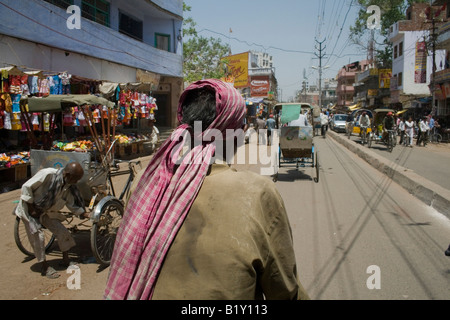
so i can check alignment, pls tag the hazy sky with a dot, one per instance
(286, 30)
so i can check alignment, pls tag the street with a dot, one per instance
(357, 235)
(356, 218)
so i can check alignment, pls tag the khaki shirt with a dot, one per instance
(235, 244)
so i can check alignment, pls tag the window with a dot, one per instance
(162, 41)
(131, 26)
(395, 52)
(96, 10)
(64, 4)
(400, 79)
(400, 49)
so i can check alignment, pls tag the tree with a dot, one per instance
(391, 12)
(202, 56)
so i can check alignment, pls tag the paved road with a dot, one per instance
(356, 217)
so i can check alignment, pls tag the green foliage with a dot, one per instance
(202, 56)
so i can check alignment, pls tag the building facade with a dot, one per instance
(412, 65)
(346, 79)
(442, 78)
(135, 41)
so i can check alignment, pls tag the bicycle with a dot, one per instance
(391, 140)
(364, 138)
(106, 212)
(435, 137)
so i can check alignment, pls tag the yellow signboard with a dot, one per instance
(385, 76)
(238, 69)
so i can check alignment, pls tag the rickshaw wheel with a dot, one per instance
(104, 231)
(22, 241)
(316, 179)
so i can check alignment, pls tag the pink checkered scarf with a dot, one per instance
(162, 199)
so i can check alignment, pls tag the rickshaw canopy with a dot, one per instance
(56, 103)
(291, 111)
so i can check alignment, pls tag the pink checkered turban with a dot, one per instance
(163, 197)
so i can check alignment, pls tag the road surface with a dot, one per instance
(357, 235)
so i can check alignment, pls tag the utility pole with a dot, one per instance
(320, 56)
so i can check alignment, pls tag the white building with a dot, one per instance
(412, 65)
(261, 60)
(119, 41)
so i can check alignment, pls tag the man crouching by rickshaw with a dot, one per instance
(43, 196)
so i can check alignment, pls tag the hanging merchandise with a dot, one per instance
(44, 88)
(33, 84)
(14, 84)
(16, 124)
(15, 98)
(4, 81)
(65, 82)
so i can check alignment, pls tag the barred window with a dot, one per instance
(63, 4)
(96, 10)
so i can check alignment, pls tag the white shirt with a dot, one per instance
(300, 122)
(36, 187)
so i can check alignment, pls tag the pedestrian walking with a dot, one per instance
(271, 126)
(409, 130)
(260, 129)
(191, 230)
(401, 128)
(423, 132)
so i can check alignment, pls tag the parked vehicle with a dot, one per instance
(338, 122)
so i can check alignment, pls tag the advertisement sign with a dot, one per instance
(238, 69)
(260, 86)
(420, 73)
(384, 77)
(445, 88)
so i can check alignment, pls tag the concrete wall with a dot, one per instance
(43, 23)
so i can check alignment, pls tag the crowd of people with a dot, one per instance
(421, 129)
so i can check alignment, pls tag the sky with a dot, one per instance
(285, 29)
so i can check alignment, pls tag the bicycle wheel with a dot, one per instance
(104, 232)
(316, 179)
(436, 138)
(390, 144)
(22, 241)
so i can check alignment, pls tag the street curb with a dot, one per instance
(425, 190)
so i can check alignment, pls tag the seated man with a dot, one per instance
(302, 121)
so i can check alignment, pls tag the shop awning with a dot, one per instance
(355, 107)
(58, 102)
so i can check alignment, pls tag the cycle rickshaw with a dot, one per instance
(357, 126)
(376, 136)
(96, 186)
(296, 146)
